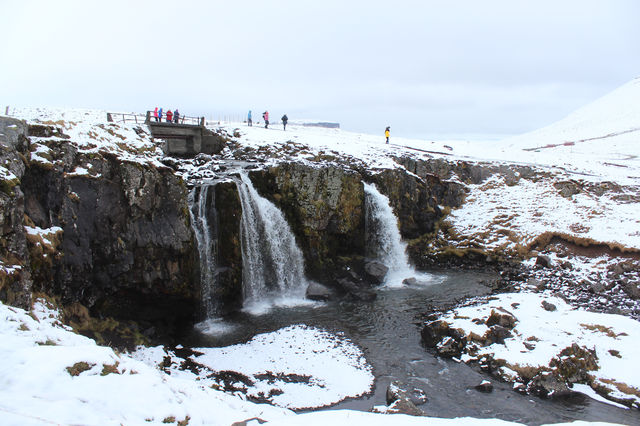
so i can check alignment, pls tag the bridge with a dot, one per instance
(185, 138)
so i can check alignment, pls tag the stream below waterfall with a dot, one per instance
(388, 332)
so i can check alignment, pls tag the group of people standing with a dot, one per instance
(285, 119)
(171, 117)
(265, 117)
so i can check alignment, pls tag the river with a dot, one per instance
(388, 332)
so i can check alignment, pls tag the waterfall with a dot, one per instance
(383, 239)
(205, 226)
(272, 263)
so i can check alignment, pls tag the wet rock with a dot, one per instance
(317, 291)
(433, 332)
(450, 347)
(547, 384)
(375, 271)
(485, 386)
(410, 281)
(399, 401)
(548, 306)
(356, 291)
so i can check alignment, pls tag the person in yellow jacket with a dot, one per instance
(386, 133)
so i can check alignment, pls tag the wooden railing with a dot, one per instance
(148, 117)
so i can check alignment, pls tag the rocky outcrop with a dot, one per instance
(111, 235)
(15, 276)
(324, 207)
(229, 268)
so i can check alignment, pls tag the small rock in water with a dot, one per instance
(399, 402)
(485, 386)
(375, 271)
(410, 281)
(317, 291)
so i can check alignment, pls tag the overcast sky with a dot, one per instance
(425, 68)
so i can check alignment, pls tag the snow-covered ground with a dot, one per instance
(544, 327)
(295, 367)
(50, 375)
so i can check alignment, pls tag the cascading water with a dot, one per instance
(205, 227)
(272, 263)
(383, 239)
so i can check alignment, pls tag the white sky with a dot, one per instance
(425, 68)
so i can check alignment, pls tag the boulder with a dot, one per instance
(485, 386)
(375, 271)
(356, 291)
(497, 334)
(546, 384)
(317, 291)
(543, 261)
(449, 347)
(548, 306)
(502, 318)
(399, 401)
(410, 281)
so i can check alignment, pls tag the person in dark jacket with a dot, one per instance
(176, 116)
(284, 121)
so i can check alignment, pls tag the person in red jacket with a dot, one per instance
(169, 116)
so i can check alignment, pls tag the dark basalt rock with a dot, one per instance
(375, 271)
(15, 276)
(356, 291)
(400, 402)
(126, 249)
(317, 291)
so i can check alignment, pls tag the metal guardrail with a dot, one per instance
(148, 117)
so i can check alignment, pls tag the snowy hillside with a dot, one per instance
(605, 119)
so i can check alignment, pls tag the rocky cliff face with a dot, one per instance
(114, 235)
(15, 276)
(109, 234)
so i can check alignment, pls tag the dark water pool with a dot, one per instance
(388, 331)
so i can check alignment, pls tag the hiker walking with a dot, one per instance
(284, 121)
(249, 120)
(176, 116)
(265, 117)
(386, 133)
(169, 117)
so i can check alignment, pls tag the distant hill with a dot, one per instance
(613, 115)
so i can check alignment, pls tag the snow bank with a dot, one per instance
(540, 335)
(294, 367)
(50, 375)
